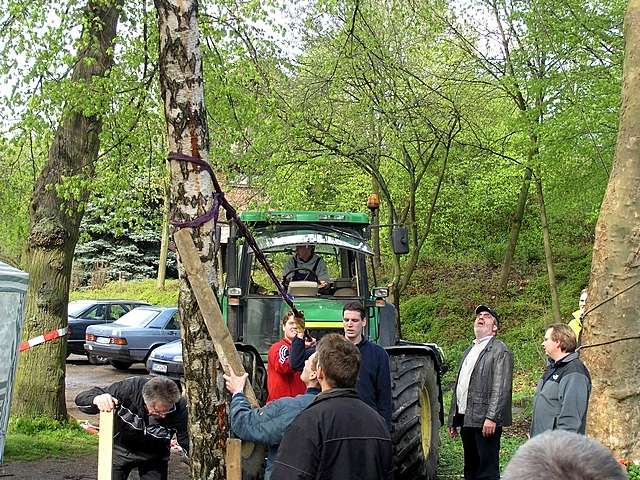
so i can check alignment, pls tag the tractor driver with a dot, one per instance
(306, 265)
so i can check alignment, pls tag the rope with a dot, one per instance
(219, 200)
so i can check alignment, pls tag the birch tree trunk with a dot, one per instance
(182, 89)
(54, 225)
(614, 409)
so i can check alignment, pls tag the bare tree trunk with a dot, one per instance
(164, 241)
(182, 91)
(548, 254)
(375, 232)
(514, 232)
(614, 409)
(54, 226)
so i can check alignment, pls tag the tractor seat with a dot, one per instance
(303, 288)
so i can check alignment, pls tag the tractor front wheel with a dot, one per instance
(416, 417)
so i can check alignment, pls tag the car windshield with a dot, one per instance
(138, 317)
(75, 308)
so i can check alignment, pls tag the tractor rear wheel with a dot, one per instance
(416, 417)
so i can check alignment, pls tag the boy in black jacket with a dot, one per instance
(148, 413)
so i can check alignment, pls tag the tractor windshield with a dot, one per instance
(341, 280)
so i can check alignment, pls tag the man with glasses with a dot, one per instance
(148, 413)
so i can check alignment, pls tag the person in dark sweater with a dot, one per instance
(338, 436)
(374, 378)
(148, 413)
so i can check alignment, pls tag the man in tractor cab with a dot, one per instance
(306, 265)
(282, 379)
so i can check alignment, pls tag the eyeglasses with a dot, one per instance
(154, 412)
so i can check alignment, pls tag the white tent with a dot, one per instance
(13, 289)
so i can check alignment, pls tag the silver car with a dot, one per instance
(131, 338)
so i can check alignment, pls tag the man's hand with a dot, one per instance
(322, 284)
(105, 402)
(234, 383)
(489, 428)
(310, 343)
(453, 432)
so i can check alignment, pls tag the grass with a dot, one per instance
(32, 439)
(144, 290)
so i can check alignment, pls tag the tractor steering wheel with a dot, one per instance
(313, 278)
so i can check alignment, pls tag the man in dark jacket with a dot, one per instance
(148, 413)
(562, 396)
(481, 402)
(338, 436)
(268, 424)
(374, 378)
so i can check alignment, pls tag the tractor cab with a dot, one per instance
(255, 307)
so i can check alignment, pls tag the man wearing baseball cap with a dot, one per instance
(481, 402)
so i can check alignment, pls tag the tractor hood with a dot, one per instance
(279, 240)
(320, 313)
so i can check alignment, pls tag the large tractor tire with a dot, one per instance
(416, 417)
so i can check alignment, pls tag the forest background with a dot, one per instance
(487, 127)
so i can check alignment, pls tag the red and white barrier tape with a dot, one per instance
(47, 337)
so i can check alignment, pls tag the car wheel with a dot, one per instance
(120, 365)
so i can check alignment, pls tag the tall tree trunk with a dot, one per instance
(514, 231)
(614, 409)
(182, 91)
(375, 232)
(164, 241)
(54, 226)
(548, 253)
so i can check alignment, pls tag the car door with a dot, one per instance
(172, 328)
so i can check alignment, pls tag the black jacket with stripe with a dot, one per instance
(134, 429)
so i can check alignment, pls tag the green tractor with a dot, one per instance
(253, 309)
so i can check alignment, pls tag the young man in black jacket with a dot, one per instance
(148, 413)
(338, 436)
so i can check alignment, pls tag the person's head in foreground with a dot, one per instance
(338, 362)
(562, 455)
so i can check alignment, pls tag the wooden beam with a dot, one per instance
(252, 454)
(210, 309)
(233, 459)
(105, 445)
